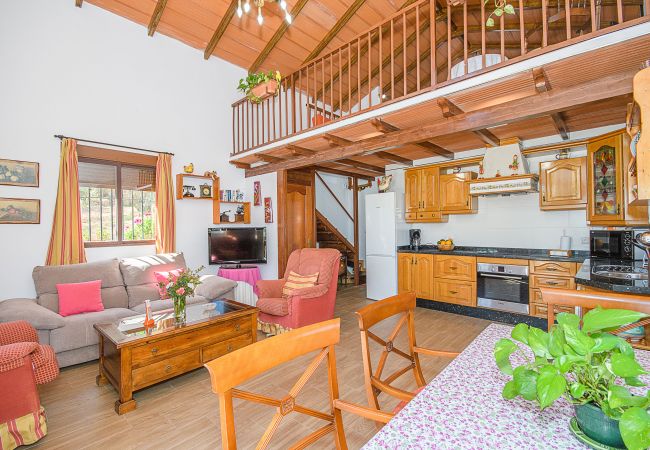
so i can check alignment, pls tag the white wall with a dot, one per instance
(87, 73)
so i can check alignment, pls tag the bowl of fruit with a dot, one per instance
(446, 245)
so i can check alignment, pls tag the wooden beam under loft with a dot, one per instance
(156, 16)
(433, 149)
(78, 3)
(300, 151)
(344, 173)
(221, 29)
(449, 109)
(543, 85)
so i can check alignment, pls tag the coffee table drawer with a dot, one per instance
(155, 351)
(166, 368)
(213, 351)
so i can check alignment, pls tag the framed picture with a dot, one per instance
(268, 210)
(20, 210)
(18, 173)
(257, 193)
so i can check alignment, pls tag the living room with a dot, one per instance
(134, 97)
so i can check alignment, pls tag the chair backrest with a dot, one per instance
(590, 300)
(306, 261)
(237, 367)
(403, 306)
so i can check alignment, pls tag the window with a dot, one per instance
(117, 201)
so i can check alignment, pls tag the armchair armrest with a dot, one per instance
(28, 310)
(310, 292)
(18, 331)
(270, 288)
(214, 286)
(13, 355)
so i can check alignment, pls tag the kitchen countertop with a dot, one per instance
(498, 252)
(585, 277)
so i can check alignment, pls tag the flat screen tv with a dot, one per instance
(237, 245)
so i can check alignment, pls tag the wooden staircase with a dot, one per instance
(328, 236)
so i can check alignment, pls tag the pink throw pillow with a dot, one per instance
(76, 298)
(163, 277)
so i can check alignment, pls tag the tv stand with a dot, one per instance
(238, 266)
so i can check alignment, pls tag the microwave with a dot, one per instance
(612, 244)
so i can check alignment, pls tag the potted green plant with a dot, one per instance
(258, 86)
(589, 366)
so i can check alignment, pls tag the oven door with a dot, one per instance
(606, 244)
(503, 292)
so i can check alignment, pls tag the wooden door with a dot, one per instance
(636, 210)
(454, 193)
(412, 185)
(563, 184)
(429, 191)
(605, 181)
(423, 276)
(405, 272)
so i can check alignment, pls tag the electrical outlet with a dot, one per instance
(585, 240)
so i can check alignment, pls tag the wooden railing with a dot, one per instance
(396, 59)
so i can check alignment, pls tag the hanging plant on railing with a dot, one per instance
(500, 7)
(258, 86)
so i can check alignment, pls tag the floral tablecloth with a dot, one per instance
(462, 408)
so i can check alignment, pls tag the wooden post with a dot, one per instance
(355, 203)
(282, 222)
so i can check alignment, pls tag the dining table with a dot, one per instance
(462, 408)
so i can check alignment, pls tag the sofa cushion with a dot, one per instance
(274, 306)
(47, 277)
(214, 286)
(159, 305)
(139, 275)
(78, 330)
(76, 298)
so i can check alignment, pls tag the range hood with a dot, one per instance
(504, 170)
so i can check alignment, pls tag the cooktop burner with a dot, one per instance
(619, 271)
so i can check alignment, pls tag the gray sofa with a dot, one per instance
(126, 284)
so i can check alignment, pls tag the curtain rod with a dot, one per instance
(60, 136)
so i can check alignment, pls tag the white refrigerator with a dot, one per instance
(385, 230)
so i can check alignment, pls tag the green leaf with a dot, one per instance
(578, 341)
(509, 9)
(510, 390)
(520, 333)
(577, 390)
(526, 382)
(556, 342)
(603, 319)
(634, 381)
(619, 396)
(489, 22)
(625, 366)
(635, 428)
(502, 351)
(538, 342)
(550, 386)
(565, 362)
(498, 12)
(605, 342)
(568, 320)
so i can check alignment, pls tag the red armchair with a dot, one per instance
(307, 306)
(24, 363)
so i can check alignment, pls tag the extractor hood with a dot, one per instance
(504, 170)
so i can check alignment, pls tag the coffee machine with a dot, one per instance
(414, 238)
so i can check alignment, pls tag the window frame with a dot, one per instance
(108, 157)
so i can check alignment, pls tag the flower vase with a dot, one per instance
(179, 310)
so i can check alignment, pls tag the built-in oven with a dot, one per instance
(612, 244)
(503, 287)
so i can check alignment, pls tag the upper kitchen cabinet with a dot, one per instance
(612, 183)
(563, 184)
(423, 195)
(454, 194)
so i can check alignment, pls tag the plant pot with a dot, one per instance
(598, 426)
(265, 90)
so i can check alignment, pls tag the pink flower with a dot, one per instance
(180, 291)
(137, 221)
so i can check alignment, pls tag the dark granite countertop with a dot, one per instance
(586, 277)
(498, 252)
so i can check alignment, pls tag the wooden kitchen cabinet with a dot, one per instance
(553, 275)
(422, 195)
(405, 272)
(454, 194)
(563, 184)
(415, 273)
(455, 279)
(455, 267)
(611, 185)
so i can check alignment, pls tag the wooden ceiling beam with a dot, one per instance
(78, 3)
(542, 85)
(331, 34)
(268, 158)
(335, 141)
(393, 158)
(434, 149)
(360, 165)
(512, 111)
(487, 137)
(156, 16)
(450, 109)
(300, 151)
(560, 125)
(344, 173)
(240, 165)
(221, 29)
(279, 33)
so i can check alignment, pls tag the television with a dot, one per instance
(237, 245)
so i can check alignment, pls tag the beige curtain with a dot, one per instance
(165, 207)
(66, 240)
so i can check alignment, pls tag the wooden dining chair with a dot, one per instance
(402, 306)
(587, 300)
(237, 367)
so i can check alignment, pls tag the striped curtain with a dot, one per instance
(66, 240)
(165, 212)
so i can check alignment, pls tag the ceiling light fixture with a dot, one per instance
(260, 4)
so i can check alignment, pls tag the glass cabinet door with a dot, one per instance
(605, 193)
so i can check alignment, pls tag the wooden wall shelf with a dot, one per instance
(241, 219)
(180, 182)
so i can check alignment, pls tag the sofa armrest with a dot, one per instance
(270, 288)
(213, 286)
(310, 292)
(28, 310)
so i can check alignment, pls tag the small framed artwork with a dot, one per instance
(268, 210)
(257, 193)
(18, 173)
(20, 210)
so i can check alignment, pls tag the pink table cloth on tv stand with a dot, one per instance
(250, 275)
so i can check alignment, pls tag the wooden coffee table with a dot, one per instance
(132, 357)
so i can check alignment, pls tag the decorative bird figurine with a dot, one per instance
(211, 173)
(189, 168)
